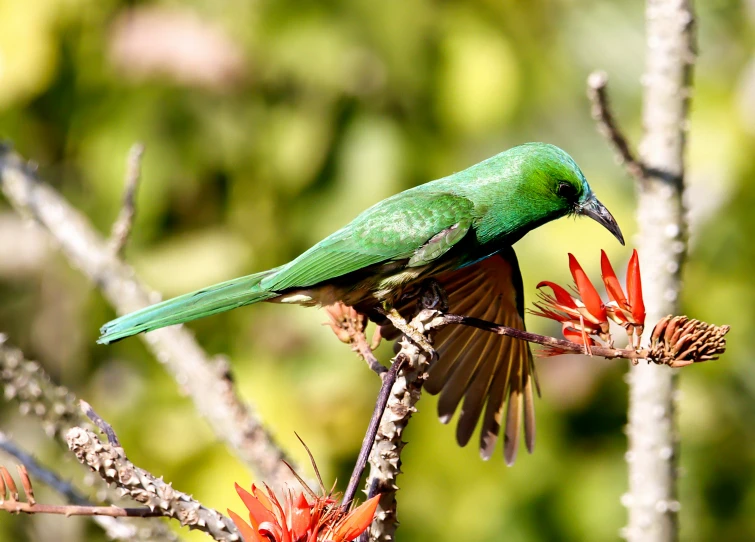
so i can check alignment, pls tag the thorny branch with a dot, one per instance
(123, 224)
(115, 529)
(110, 462)
(56, 408)
(385, 457)
(26, 382)
(207, 381)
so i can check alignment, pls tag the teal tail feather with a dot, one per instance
(211, 300)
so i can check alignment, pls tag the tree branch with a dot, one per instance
(389, 379)
(114, 529)
(29, 384)
(123, 224)
(653, 441)
(206, 381)
(385, 457)
(111, 463)
(653, 447)
(597, 91)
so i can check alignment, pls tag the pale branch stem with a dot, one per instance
(122, 226)
(205, 380)
(389, 378)
(112, 465)
(597, 91)
(653, 453)
(103, 515)
(662, 242)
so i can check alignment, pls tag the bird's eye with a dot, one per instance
(567, 191)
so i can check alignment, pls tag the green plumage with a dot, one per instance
(447, 229)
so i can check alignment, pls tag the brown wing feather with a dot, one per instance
(482, 368)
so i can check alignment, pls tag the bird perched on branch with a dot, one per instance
(459, 230)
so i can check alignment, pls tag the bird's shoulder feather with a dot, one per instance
(393, 229)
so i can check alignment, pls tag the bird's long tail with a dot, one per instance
(211, 300)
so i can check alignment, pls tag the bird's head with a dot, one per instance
(559, 185)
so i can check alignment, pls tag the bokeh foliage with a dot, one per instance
(270, 124)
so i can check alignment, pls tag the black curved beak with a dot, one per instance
(598, 212)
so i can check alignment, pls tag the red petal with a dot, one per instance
(572, 335)
(258, 513)
(278, 528)
(357, 521)
(300, 522)
(562, 296)
(634, 288)
(613, 287)
(587, 291)
(247, 533)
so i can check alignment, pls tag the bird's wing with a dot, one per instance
(482, 368)
(394, 229)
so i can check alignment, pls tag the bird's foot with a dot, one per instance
(416, 337)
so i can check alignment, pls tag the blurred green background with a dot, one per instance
(269, 124)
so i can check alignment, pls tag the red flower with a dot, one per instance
(296, 520)
(585, 317)
(579, 318)
(627, 311)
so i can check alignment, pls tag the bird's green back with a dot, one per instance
(442, 225)
(501, 198)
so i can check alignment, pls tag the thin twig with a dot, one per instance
(101, 424)
(205, 380)
(365, 351)
(49, 478)
(11, 502)
(369, 438)
(111, 463)
(76, 510)
(122, 226)
(559, 345)
(597, 91)
(114, 529)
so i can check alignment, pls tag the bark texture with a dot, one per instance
(653, 442)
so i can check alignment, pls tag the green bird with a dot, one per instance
(459, 230)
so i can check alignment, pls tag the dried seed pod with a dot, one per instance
(678, 341)
(9, 486)
(26, 483)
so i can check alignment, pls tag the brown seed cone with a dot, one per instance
(678, 341)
